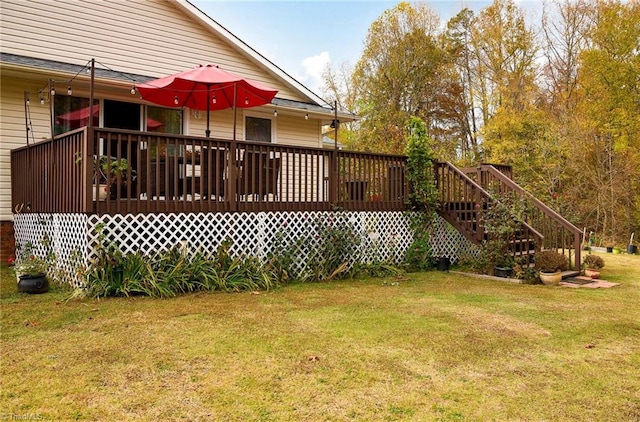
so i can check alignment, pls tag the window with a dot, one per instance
(121, 115)
(165, 120)
(257, 129)
(73, 112)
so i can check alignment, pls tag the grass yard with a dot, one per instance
(430, 346)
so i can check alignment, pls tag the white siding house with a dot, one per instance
(135, 40)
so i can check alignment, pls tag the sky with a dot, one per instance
(302, 37)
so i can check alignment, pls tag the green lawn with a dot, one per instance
(431, 346)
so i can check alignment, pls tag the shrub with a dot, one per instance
(551, 261)
(594, 262)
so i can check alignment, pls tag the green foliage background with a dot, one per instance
(555, 95)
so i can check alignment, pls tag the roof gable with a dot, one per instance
(221, 31)
(152, 38)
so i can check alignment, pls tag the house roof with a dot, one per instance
(109, 74)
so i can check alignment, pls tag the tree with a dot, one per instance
(459, 44)
(609, 84)
(338, 87)
(403, 71)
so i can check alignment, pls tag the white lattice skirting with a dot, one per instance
(384, 236)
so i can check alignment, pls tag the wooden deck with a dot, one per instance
(109, 171)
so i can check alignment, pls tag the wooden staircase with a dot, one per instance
(464, 199)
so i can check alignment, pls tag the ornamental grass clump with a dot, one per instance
(550, 262)
(594, 262)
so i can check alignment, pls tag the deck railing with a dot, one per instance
(558, 233)
(110, 171)
(463, 203)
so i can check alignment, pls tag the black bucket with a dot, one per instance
(632, 249)
(504, 272)
(443, 263)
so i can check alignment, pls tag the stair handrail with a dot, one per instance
(487, 194)
(540, 205)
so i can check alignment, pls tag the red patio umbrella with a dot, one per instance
(81, 117)
(207, 87)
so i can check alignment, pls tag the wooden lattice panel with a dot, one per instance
(67, 237)
(384, 236)
(449, 242)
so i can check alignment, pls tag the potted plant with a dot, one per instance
(593, 264)
(107, 170)
(31, 271)
(550, 265)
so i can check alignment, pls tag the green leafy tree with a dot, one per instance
(403, 71)
(610, 90)
(423, 197)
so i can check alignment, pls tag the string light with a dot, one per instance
(306, 116)
(133, 89)
(175, 100)
(41, 98)
(214, 100)
(53, 89)
(69, 91)
(275, 113)
(28, 98)
(246, 100)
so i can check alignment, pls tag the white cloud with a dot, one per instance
(313, 67)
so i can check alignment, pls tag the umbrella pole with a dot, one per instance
(233, 159)
(207, 133)
(235, 88)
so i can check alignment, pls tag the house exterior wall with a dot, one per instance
(7, 241)
(145, 37)
(151, 37)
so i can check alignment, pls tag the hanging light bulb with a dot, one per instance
(175, 100)
(214, 100)
(27, 98)
(41, 98)
(306, 116)
(69, 91)
(53, 90)
(133, 89)
(246, 100)
(275, 113)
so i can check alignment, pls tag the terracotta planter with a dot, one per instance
(33, 283)
(592, 273)
(551, 279)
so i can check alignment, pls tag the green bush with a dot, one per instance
(176, 272)
(594, 262)
(551, 261)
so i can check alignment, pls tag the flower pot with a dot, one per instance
(617, 250)
(632, 249)
(592, 273)
(33, 283)
(551, 279)
(443, 263)
(609, 249)
(103, 190)
(504, 272)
